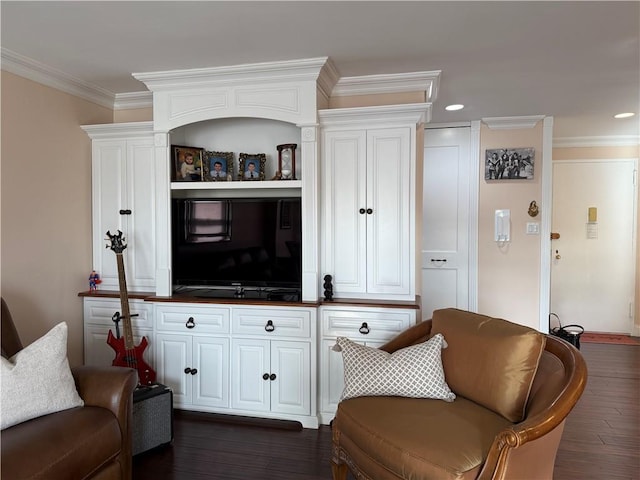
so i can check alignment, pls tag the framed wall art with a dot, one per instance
(509, 164)
(251, 166)
(187, 163)
(218, 166)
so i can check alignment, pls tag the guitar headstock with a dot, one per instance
(117, 241)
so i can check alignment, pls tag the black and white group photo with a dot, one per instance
(509, 164)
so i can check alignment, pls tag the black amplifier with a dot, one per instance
(152, 417)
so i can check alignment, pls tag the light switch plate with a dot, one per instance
(533, 228)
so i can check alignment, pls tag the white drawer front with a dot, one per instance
(186, 318)
(268, 322)
(100, 312)
(366, 325)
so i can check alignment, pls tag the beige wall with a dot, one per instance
(603, 153)
(46, 207)
(133, 115)
(509, 276)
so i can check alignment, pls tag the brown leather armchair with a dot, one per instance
(89, 442)
(391, 438)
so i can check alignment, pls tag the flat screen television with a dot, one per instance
(236, 242)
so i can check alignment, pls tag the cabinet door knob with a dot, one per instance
(364, 328)
(272, 377)
(362, 211)
(187, 370)
(190, 323)
(269, 327)
(125, 212)
(194, 371)
(265, 376)
(369, 211)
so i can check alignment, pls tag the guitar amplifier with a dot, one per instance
(152, 417)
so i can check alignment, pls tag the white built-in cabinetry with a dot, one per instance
(358, 181)
(366, 325)
(124, 198)
(368, 164)
(98, 320)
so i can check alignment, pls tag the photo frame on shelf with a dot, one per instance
(187, 163)
(218, 166)
(251, 166)
(509, 163)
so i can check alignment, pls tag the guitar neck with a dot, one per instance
(124, 305)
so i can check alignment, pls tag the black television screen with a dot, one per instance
(247, 242)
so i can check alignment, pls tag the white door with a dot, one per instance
(592, 281)
(387, 211)
(445, 221)
(291, 386)
(211, 381)
(174, 354)
(250, 371)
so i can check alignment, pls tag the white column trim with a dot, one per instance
(474, 194)
(545, 227)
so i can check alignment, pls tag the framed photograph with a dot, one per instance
(187, 164)
(218, 166)
(509, 164)
(252, 166)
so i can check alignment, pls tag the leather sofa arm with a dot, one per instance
(418, 333)
(107, 387)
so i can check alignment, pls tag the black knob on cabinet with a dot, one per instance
(269, 327)
(369, 211)
(125, 212)
(194, 371)
(364, 328)
(362, 211)
(190, 323)
(272, 377)
(265, 376)
(187, 370)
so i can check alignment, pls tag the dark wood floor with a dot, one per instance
(601, 438)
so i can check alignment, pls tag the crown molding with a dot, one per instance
(291, 70)
(118, 130)
(126, 101)
(427, 82)
(597, 141)
(412, 112)
(39, 72)
(512, 123)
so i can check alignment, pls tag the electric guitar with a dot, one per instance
(127, 354)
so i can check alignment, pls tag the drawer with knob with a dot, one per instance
(192, 319)
(365, 323)
(271, 322)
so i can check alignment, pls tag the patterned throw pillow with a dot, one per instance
(414, 371)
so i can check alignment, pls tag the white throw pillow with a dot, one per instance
(37, 380)
(414, 371)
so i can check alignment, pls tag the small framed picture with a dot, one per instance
(252, 166)
(509, 164)
(187, 163)
(218, 166)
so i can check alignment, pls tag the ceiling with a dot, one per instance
(576, 61)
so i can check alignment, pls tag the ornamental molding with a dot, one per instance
(427, 82)
(512, 123)
(597, 141)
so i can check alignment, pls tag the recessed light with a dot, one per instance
(453, 108)
(624, 115)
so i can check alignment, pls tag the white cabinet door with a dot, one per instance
(174, 355)
(291, 387)
(211, 381)
(389, 237)
(367, 217)
(344, 180)
(124, 198)
(251, 375)
(98, 353)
